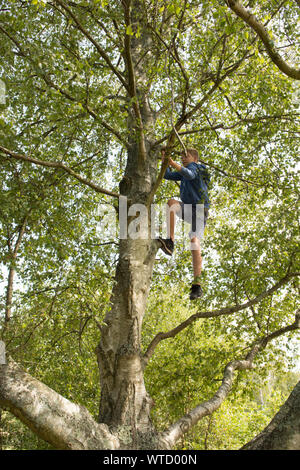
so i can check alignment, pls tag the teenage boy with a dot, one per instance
(194, 179)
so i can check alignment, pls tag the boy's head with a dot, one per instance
(190, 156)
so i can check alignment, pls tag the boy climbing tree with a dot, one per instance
(194, 180)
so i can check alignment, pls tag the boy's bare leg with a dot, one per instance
(173, 208)
(197, 259)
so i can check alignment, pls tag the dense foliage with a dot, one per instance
(64, 103)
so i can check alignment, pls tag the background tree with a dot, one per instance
(94, 89)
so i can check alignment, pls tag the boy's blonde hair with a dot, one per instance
(194, 153)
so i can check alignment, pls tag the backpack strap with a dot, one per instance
(203, 171)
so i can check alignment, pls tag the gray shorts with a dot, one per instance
(196, 215)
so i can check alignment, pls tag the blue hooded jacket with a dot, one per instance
(194, 180)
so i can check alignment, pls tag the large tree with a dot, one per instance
(94, 89)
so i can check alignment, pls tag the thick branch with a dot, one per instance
(177, 430)
(55, 419)
(59, 166)
(169, 438)
(213, 314)
(252, 21)
(132, 80)
(127, 47)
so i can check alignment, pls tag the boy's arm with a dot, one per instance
(189, 172)
(171, 175)
(175, 165)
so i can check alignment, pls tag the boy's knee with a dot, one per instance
(171, 202)
(195, 243)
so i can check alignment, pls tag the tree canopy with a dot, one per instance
(94, 89)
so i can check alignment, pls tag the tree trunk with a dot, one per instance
(283, 432)
(125, 405)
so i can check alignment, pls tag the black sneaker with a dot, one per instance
(196, 292)
(167, 245)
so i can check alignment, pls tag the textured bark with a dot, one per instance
(124, 400)
(52, 417)
(125, 405)
(283, 432)
(169, 438)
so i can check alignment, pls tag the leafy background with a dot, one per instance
(247, 134)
